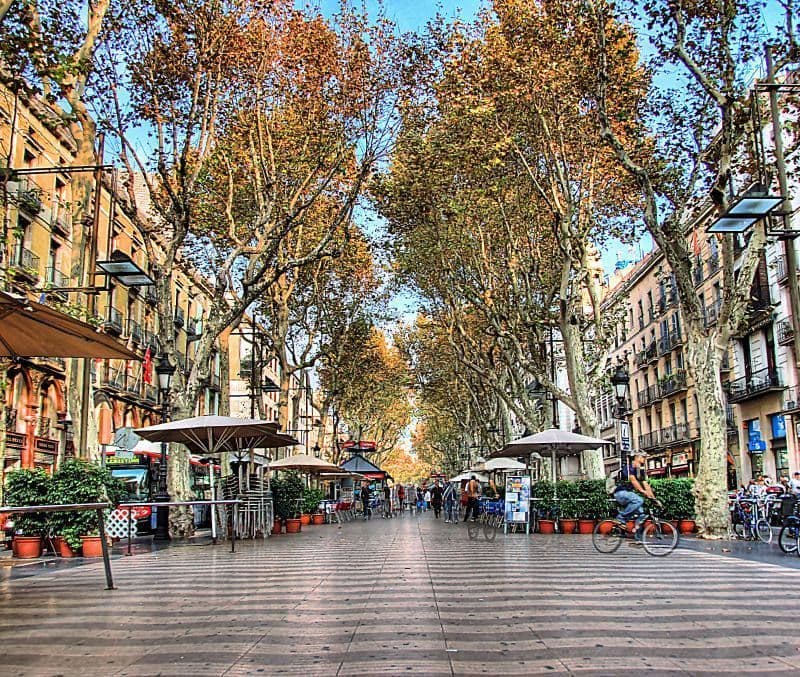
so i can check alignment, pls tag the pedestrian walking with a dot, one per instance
(365, 496)
(427, 499)
(420, 500)
(436, 499)
(449, 498)
(387, 501)
(401, 496)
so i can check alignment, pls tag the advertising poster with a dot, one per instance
(518, 498)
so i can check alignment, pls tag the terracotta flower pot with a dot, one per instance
(605, 527)
(27, 547)
(318, 518)
(305, 519)
(547, 526)
(568, 526)
(293, 526)
(686, 526)
(277, 527)
(62, 547)
(92, 546)
(676, 524)
(585, 526)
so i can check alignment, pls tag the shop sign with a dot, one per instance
(680, 459)
(518, 497)
(46, 446)
(778, 426)
(15, 440)
(755, 444)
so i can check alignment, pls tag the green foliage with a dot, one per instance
(311, 500)
(566, 493)
(81, 482)
(596, 505)
(28, 487)
(677, 497)
(286, 489)
(545, 506)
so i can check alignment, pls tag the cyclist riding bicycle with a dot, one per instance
(631, 484)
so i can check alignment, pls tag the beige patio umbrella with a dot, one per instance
(305, 463)
(30, 329)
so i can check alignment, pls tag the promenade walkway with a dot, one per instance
(408, 596)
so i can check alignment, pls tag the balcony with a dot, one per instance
(151, 341)
(669, 341)
(648, 395)
(113, 323)
(61, 218)
(135, 332)
(245, 367)
(649, 440)
(651, 314)
(641, 358)
(179, 319)
(755, 385)
(791, 399)
(113, 377)
(150, 296)
(55, 278)
(132, 385)
(673, 383)
(759, 311)
(29, 197)
(214, 382)
(651, 353)
(730, 418)
(25, 263)
(785, 331)
(675, 434)
(712, 312)
(713, 264)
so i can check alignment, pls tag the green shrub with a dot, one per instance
(286, 489)
(596, 504)
(566, 493)
(676, 496)
(77, 481)
(544, 506)
(311, 500)
(27, 486)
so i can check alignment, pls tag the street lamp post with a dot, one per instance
(621, 381)
(164, 370)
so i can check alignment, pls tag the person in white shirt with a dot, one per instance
(794, 484)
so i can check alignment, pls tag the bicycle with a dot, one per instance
(748, 522)
(659, 537)
(789, 535)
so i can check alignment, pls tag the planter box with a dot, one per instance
(686, 526)
(293, 526)
(568, 526)
(547, 526)
(27, 547)
(277, 527)
(92, 546)
(62, 547)
(318, 518)
(305, 520)
(586, 526)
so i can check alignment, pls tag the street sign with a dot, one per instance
(624, 436)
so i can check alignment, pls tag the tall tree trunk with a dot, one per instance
(710, 487)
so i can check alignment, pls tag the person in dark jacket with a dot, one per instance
(436, 499)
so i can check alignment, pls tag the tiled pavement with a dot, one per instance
(405, 596)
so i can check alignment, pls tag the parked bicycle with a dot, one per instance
(789, 535)
(748, 516)
(659, 537)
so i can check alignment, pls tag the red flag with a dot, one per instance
(147, 367)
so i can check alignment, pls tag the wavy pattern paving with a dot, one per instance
(405, 596)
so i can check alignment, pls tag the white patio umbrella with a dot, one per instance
(503, 464)
(213, 435)
(305, 463)
(468, 475)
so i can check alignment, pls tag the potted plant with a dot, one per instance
(77, 481)
(595, 505)
(544, 506)
(28, 487)
(287, 492)
(567, 506)
(311, 501)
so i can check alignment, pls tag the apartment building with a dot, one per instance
(41, 425)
